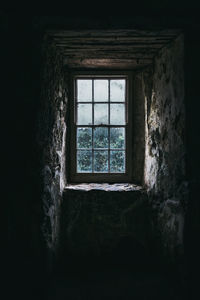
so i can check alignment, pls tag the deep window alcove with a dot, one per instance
(90, 218)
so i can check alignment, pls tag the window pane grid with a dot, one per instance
(100, 102)
(101, 126)
(101, 149)
(105, 159)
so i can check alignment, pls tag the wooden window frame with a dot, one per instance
(72, 175)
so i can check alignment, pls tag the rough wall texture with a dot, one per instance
(98, 222)
(51, 138)
(165, 145)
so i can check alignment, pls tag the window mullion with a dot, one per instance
(87, 163)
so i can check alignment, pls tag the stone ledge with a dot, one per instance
(116, 187)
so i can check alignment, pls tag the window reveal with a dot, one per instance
(100, 127)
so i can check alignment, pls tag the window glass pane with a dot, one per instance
(84, 161)
(100, 90)
(117, 137)
(117, 161)
(84, 137)
(117, 114)
(100, 114)
(101, 161)
(84, 90)
(117, 90)
(101, 137)
(84, 114)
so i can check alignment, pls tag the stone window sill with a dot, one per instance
(117, 187)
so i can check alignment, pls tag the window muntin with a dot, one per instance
(100, 128)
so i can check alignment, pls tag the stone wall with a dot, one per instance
(106, 222)
(51, 140)
(88, 224)
(165, 145)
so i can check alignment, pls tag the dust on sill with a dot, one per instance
(116, 187)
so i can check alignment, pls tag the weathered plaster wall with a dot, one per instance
(165, 145)
(51, 139)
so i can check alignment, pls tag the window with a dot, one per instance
(100, 120)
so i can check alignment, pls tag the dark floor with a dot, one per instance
(97, 282)
(100, 281)
(113, 284)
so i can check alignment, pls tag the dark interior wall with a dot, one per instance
(22, 242)
(138, 129)
(21, 65)
(98, 224)
(165, 174)
(51, 137)
(20, 89)
(192, 221)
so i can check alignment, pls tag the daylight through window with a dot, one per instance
(100, 121)
(101, 126)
